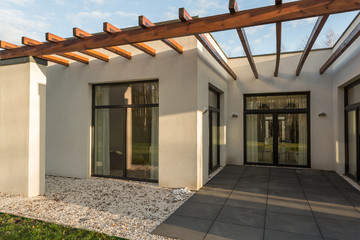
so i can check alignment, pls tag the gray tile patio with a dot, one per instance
(248, 202)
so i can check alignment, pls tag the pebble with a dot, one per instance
(115, 207)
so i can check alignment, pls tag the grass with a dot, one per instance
(15, 227)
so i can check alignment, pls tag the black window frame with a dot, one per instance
(125, 107)
(215, 110)
(348, 108)
(275, 113)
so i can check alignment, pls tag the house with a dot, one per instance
(163, 103)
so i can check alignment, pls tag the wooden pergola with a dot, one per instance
(112, 37)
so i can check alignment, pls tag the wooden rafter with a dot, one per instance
(342, 48)
(313, 36)
(109, 28)
(185, 16)
(246, 18)
(82, 34)
(10, 46)
(234, 7)
(31, 42)
(278, 42)
(146, 23)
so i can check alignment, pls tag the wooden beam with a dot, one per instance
(141, 46)
(278, 48)
(313, 36)
(10, 46)
(185, 16)
(146, 23)
(234, 7)
(53, 38)
(246, 18)
(278, 42)
(342, 48)
(77, 32)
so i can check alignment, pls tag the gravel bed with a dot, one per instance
(120, 208)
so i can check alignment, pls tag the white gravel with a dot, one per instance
(120, 208)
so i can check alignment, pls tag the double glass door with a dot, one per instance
(277, 136)
(277, 139)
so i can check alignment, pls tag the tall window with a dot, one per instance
(277, 129)
(126, 123)
(352, 132)
(214, 129)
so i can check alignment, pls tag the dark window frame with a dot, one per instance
(125, 107)
(217, 111)
(348, 108)
(274, 113)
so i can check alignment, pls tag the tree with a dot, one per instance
(330, 38)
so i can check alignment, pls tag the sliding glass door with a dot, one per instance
(126, 125)
(352, 130)
(277, 129)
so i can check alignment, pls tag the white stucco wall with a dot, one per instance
(22, 128)
(345, 70)
(209, 72)
(320, 87)
(37, 123)
(68, 128)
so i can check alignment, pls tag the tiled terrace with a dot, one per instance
(245, 202)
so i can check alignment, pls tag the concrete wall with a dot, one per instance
(320, 87)
(68, 128)
(22, 127)
(345, 71)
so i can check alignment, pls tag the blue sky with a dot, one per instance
(33, 18)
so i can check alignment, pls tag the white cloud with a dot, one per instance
(203, 7)
(18, 2)
(171, 14)
(254, 30)
(77, 19)
(93, 14)
(16, 24)
(60, 2)
(307, 21)
(257, 41)
(127, 14)
(100, 2)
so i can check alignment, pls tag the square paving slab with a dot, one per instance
(249, 202)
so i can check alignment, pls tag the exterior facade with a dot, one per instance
(175, 118)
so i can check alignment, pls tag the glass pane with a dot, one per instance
(213, 99)
(142, 143)
(276, 102)
(354, 94)
(126, 94)
(215, 139)
(292, 139)
(112, 95)
(109, 142)
(145, 93)
(259, 138)
(351, 131)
